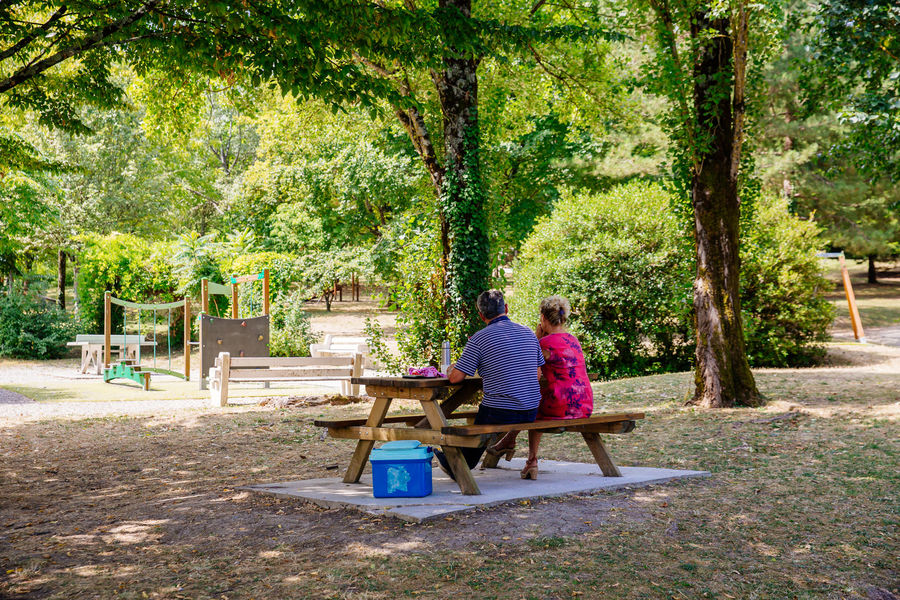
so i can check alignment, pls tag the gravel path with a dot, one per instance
(12, 413)
(9, 397)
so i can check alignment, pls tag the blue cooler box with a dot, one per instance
(401, 470)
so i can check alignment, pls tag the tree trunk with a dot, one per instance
(873, 276)
(74, 260)
(722, 376)
(61, 279)
(462, 198)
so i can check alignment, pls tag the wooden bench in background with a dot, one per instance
(267, 369)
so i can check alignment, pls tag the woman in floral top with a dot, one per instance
(566, 392)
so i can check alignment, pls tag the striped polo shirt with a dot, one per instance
(507, 356)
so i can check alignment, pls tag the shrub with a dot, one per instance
(131, 268)
(291, 332)
(786, 316)
(31, 327)
(618, 257)
(622, 260)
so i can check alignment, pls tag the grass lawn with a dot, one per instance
(877, 303)
(803, 503)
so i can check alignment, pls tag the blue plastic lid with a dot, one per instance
(401, 450)
(401, 445)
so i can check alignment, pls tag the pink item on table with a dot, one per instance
(425, 372)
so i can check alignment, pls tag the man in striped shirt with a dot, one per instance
(508, 357)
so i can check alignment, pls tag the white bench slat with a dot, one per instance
(264, 374)
(287, 361)
(264, 379)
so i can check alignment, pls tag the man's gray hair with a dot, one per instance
(491, 304)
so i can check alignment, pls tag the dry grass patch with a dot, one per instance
(802, 504)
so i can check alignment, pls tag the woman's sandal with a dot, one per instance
(530, 471)
(509, 452)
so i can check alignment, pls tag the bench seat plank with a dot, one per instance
(390, 434)
(299, 373)
(401, 418)
(275, 362)
(567, 424)
(265, 378)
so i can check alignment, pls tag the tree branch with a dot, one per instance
(738, 107)
(88, 43)
(32, 35)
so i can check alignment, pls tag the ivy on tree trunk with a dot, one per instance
(463, 220)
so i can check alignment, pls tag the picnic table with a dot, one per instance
(93, 345)
(440, 400)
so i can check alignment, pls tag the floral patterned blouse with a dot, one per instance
(567, 392)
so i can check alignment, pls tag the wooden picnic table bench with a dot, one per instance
(440, 399)
(92, 348)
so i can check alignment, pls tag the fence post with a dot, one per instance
(187, 338)
(107, 328)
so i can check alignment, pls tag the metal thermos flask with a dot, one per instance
(445, 356)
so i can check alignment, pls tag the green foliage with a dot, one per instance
(131, 268)
(291, 332)
(323, 180)
(804, 154)
(378, 349)
(413, 251)
(785, 314)
(31, 327)
(318, 272)
(617, 257)
(283, 272)
(855, 68)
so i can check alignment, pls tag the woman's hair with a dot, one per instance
(556, 310)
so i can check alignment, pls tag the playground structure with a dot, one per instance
(208, 288)
(130, 367)
(855, 321)
(240, 337)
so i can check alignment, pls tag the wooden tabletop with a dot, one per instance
(404, 382)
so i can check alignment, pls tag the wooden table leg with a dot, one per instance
(605, 463)
(364, 447)
(464, 394)
(455, 458)
(490, 460)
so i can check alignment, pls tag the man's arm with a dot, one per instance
(539, 373)
(456, 376)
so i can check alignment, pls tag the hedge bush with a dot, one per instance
(618, 257)
(31, 327)
(291, 332)
(785, 313)
(621, 259)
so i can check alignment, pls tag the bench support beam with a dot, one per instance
(602, 457)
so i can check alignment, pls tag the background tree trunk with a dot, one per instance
(61, 278)
(722, 375)
(462, 199)
(873, 275)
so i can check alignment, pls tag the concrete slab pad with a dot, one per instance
(497, 486)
